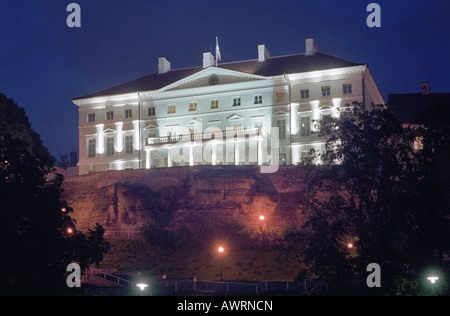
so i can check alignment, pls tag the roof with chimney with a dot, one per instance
(263, 66)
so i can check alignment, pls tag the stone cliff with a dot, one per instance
(193, 197)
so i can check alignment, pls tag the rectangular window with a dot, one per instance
(326, 91)
(281, 124)
(172, 109)
(346, 88)
(151, 111)
(109, 146)
(128, 144)
(214, 104)
(304, 94)
(305, 126)
(91, 148)
(237, 101)
(192, 106)
(128, 113)
(258, 99)
(280, 96)
(109, 115)
(91, 117)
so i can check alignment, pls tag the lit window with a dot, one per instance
(171, 109)
(91, 117)
(109, 146)
(151, 111)
(128, 113)
(326, 91)
(109, 115)
(280, 96)
(237, 101)
(305, 126)
(418, 143)
(346, 88)
(128, 144)
(304, 94)
(281, 124)
(258, 99)
(192, 106)
(214, 104)
(91, 148)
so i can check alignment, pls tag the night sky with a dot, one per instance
(44, 63)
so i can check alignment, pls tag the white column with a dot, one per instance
(136, 140)
(236, 152)
(169, 157)
(315, 115)
(213, 153)
(191, 154)
(119, 137)
(260, 151)
(148, 157)
(100, 139)
(336, 106)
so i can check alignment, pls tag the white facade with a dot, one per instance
(221, 114)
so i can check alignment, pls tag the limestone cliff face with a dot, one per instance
(193, 197)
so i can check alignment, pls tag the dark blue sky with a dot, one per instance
(44, 63)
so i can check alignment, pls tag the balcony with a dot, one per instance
(207, 136)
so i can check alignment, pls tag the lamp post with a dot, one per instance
(221, 250)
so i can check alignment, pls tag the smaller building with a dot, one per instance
(407, 106)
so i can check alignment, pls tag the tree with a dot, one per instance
(360, 194)
(38, 238)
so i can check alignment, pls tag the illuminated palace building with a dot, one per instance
(233, 113)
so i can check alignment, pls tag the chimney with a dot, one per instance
(311, 47)
(263, 53)
(163, 65)
(208, 60)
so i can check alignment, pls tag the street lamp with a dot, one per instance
(142, 286)
(261, 217)
(220, 250)
(433, 279)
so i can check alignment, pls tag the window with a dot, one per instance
(91, 148)
(237, 101)
(128, 144)
(91, 117)
(128, 113)
(171, 109)
(109, 146)
(305, 126)
(281, 124)
(109, 115)
(280, 96)
(304, 94)
(326, 91)
(258, 99)
(346, 88)
(214, 104)
(418, 143)
(151, 111)
(192, 106)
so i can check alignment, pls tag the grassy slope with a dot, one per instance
(237, 264)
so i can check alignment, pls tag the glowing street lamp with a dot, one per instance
(221, 251)
(142, 286)
(433, 279)
(261, 217)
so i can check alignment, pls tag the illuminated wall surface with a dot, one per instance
(261, 111)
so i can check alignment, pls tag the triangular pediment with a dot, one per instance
(150, 126)
(234, 117)
(280, 113)
(109, 131)
(211, 76)
(194, 122)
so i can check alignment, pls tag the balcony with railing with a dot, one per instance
(207, 136)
